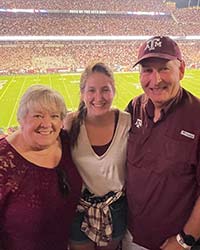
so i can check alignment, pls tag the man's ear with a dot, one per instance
(182, 70)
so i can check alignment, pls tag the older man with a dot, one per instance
(163, 178)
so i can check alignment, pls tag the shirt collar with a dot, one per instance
(149, 106)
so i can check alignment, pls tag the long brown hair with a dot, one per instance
(82, 110)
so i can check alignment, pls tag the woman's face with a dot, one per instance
(98, 94)
(41, 128)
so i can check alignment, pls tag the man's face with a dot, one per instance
(160, 79)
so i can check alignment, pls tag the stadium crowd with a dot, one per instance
(91, 24)
(42, 56)
(72, 56)
(113, 5)
(175, 21)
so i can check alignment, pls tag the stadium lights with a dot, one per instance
(23, 11)
(88, 38)
(70, 38)
(104, 12)
(192, 37)
(19, 10)
(143, 13)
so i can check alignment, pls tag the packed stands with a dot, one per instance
(112, 5)
(76, 24)
(102, 18)
(37, 57)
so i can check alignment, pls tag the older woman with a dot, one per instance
(39, 185)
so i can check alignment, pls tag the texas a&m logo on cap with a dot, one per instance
(153, 43)
(159, 47)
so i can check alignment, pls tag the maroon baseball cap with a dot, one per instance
(159, 47)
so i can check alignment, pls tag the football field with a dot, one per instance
(127, 86)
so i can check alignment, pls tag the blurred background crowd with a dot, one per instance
(90, 18)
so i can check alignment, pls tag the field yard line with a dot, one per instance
(16, 103)
(67, 93)
(7, 86)
(50, 80)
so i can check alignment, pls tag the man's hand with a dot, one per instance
(171, 244)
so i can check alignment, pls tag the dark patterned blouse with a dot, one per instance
(34, 213)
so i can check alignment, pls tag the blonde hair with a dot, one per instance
(42, 96)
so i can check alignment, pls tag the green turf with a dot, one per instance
(127, 86)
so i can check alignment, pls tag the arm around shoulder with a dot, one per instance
(67, 123)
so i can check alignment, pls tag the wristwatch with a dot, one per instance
(185, 240)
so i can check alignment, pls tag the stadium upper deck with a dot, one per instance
(122, 21)
(112, 5)
(74, 24)
(21, 56)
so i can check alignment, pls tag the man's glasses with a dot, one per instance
(63, 184)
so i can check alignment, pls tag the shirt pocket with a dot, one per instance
(178, 153)
(177, 150)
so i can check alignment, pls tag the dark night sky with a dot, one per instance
(184, 3)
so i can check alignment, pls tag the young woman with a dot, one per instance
(98, 138)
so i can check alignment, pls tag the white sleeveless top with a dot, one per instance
(105, 173)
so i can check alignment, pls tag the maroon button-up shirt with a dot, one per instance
(163, 168)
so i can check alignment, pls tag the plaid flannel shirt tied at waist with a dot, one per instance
(97, 223)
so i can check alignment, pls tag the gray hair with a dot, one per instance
(42, 96)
